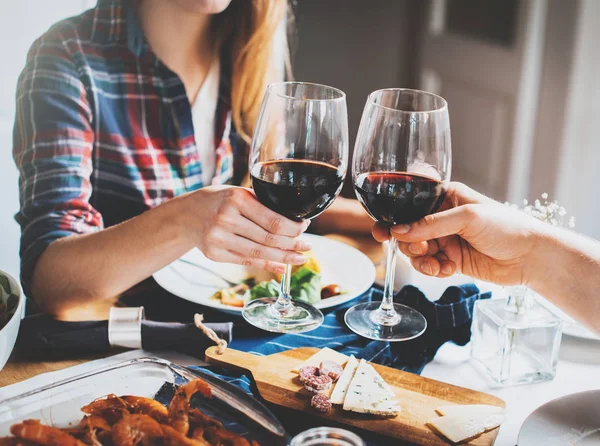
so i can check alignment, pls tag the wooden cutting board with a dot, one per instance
(418, 396)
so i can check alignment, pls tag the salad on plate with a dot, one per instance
(305, 285)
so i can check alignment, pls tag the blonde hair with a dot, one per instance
(249, 29)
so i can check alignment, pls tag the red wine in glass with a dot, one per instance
(298, 162)
(296, 189)
(399, 197)
(401, 170)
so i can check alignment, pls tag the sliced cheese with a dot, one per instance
(458, 428)
(325, 354)
(469, 411)
(339, 392)
(369, 393)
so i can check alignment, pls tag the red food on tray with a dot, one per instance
(132, 420)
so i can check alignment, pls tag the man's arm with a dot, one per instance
(565, 269)
(343, 216)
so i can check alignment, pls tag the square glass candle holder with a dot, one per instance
(516, 339)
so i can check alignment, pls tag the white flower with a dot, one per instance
(548, 212)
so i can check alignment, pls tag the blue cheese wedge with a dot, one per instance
(369, 393)
(339, 392)
(457, 428)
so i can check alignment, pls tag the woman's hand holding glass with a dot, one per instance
(298, 164)
(228, 224)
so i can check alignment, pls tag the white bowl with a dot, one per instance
(8, 333)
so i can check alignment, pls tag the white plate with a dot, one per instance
(569, 420)
(577, 330)
(340, 264)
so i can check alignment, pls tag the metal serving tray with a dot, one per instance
(59, 403)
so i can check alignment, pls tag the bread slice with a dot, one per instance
(457, 428)
(325, 354)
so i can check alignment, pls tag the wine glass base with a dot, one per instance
(367, 321)
(300, 317)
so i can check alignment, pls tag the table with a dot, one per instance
(578, 370)
(18, 368)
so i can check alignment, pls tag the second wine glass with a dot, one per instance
(401, 170)
(298, 164)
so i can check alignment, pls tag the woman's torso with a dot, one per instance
(144, 149)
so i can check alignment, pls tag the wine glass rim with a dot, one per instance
(271, 89)
(443, 108)
(339, 432)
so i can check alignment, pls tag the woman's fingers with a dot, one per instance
(272, 267)
(227, 256)
(255, 251)
(245, 232)
(250, 230)
(269, 220)
(220, 239)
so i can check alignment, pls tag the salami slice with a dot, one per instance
(307, 372)
(331, 369)
(321, 403)
(318, 383)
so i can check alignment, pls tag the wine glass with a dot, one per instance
(298, 164)
(401, 170)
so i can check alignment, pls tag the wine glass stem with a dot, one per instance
(386, 314)
(283, 302)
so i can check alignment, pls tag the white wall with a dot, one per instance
(21, 22)
(579, 180)
(356, 46)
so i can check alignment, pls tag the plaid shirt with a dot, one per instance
(103, 130)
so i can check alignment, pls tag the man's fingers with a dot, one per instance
(447, 266)
(429, 266)
(433, 247)
(437, 266)
(403, 248)
(442, 224)
(462, 194)
(415, 249)
(381, 233)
